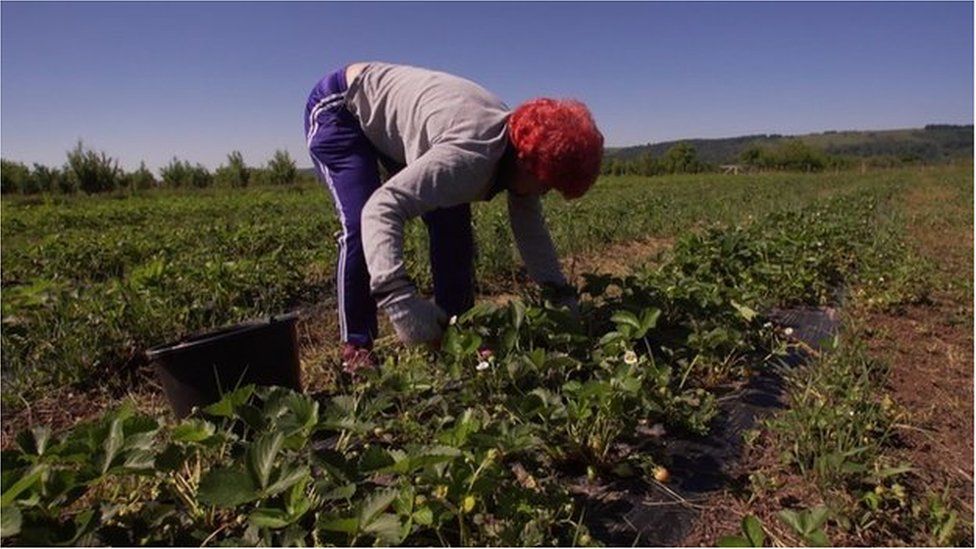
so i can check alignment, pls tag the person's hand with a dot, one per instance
(417, 320)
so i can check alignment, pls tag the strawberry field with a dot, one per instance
(108, 278)
(498, 438)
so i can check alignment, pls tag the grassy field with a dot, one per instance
(107, 278)
(489, 440)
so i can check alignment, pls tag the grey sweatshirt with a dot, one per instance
(451, 134)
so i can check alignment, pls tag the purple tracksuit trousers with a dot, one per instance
(347, 163)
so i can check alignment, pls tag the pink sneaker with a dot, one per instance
(355, 358)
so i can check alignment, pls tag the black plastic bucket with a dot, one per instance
(197, 370)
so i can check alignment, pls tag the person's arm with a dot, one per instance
(533, 240)
(537, 249)
(446, 175)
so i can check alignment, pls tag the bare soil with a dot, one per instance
(931, 381)
(929, 351)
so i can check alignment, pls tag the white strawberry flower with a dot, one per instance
(483, 365)
(630, 357)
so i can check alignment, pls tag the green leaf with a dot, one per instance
(471, 344)
(626, 318)
(458, 434)
(139, 441)
(252, 416)
(225, 406)
(35, 441)
(112, 444)
(336, 464)
(649, 319)
(139, 460)
(193, 430)
(342, 492)
(509, 339)
(610, 337)
(516, 312)
(25, 482)
(297, 503)
(10, 520)
(818, 539)
(630, 384)
(227, 488)
(85, 522)
(335, 523)
(374, 458)
(745, 312)
(305, 413)
(423, 516)
(269, 518)
(451, 343)
(376, 504)
(386, 528)
(261, 456)
(537, 357)
(425, 457)
(754, 531)
(344, 405)
(287, 479)
(793, 520)
(818, 517)
(733, 541)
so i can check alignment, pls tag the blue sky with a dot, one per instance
(149, 81)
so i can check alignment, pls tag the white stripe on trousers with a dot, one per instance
(341, 268)
(325, 103)
(324, 170)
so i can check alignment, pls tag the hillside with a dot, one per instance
(931, 143)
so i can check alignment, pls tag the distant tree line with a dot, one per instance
(91, 172)
(933, 144)
(681, 158)
(784, 155)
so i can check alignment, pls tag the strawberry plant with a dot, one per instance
(475, 444)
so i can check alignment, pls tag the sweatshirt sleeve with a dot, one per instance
(444, 176)
(533, 239)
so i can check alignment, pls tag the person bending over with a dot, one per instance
(447, 142)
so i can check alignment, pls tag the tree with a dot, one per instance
(142, 178)
(179, 173)
(14, 177)
(797, 155)
(281, 168)
(235, 173)
(48, 179)
(92, 172)
(200, 177)
(647, 165)
(754, 156)
(682, 158)
(176, 174)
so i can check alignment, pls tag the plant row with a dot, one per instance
(107, 279)
(479, 443)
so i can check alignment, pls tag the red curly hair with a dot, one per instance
(558, 142)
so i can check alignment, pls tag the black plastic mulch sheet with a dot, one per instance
(632, 512)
